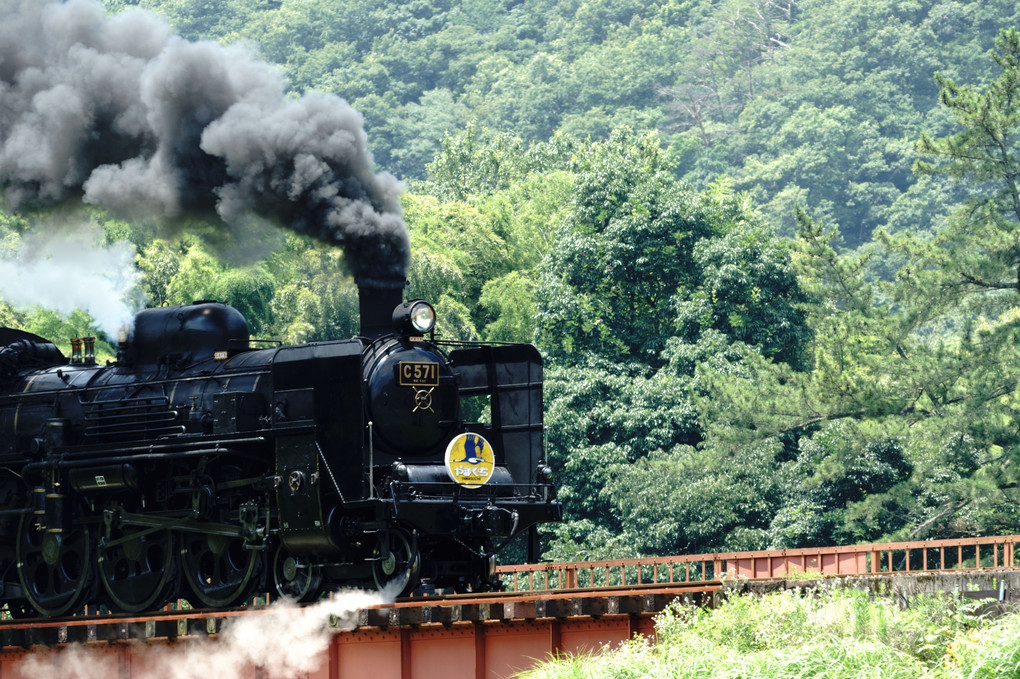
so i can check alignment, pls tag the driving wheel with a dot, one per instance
(399, 568)
(219, 570)
(54, 567)
(295, 577)
(137, 569)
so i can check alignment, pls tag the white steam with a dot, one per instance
(285, 641)
(73, 270)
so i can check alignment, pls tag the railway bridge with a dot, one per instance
(547, 609)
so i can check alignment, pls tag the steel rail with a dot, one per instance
(445, 600)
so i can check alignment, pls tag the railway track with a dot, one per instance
(560, 590)
(447, 609)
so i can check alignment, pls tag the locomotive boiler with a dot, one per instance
(207, 466)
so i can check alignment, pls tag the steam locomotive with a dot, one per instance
(205, 466)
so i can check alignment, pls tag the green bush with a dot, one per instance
(835, 633)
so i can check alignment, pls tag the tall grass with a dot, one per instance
(836, 633)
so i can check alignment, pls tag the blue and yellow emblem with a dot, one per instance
(469, 460)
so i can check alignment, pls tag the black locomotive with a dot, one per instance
(201, 466)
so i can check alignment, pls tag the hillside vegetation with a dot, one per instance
(836, 634)
(769, 248)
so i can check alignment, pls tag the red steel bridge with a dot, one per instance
(547, 609)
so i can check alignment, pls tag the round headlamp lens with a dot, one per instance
(423, 317)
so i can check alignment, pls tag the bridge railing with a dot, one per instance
(963, 554)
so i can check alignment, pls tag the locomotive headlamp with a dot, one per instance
(415, 317)
(423, 317)
(544, 473)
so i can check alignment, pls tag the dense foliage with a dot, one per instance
(769, 248)
(834, 634)
(800, 101)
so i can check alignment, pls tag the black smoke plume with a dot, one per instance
(117, 111)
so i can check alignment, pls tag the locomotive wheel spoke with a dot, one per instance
(219, 570)
(137, 573)
(54, 568)
(295, 578)
(399, 570)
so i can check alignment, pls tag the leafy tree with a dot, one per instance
(196, 273)
(836, 469)
(315, 299)
(702, 504)
(407, 136)
(433, 276)
(638, 246)
(622, 254)
(602, 418)
(648, 279)
(159, 262)
(978, 249)
(60, 330)
(749, 292)
(250, 290)
(858, 343)
(510, 300)
(458, 229)
(437, 279)
(833, 105)
(481, 161)
(926, 366)
(481, 224)
(9, 317)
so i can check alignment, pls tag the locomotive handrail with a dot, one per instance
(17, 512)
(949, 555)
(122, 455)
(225, 374)
(273, 342)
(473, 343)
(503, 386)
(176, 444)
(536, 426)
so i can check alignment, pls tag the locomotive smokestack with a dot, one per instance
(377, 298)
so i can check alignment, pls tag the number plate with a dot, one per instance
(412, 374)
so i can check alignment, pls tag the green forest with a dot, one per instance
(769, 249)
